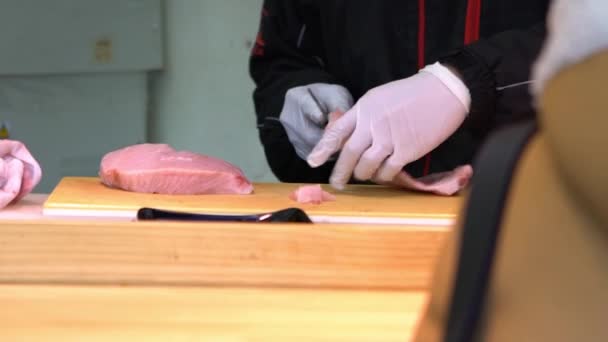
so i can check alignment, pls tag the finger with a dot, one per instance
(349, 156)
(313, 109)
(3, 173)
(373, 157)
(30, 179)
(370, 161)
(390, 168)
(29, 169)
(18, 150)
(13, 172)
(404, 180)
(334, 97)
(333, 139)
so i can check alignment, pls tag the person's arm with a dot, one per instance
(497, 72)
(281, 59)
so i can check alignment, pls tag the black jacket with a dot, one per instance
(361, 44)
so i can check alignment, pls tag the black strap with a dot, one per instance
(493, 171)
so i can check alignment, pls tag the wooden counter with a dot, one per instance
(81, 279)
(231, 254)
(117, 314)
(129, 281)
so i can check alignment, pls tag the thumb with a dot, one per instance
(333, 139)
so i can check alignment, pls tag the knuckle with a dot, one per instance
(351, 149)
(388, 172)
(332, 137)
(296, 95)
(382, 148)
(403, 156)
(386, 180)
(369, 159)
(385, 176)
(371, 93)
(316, 118)
(393, 166)
(361, 175)
(364, 172)
(291, 94)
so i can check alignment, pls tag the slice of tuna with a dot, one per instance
(158, 168)
(311, 194)
(442, 183)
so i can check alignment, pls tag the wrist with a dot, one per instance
(452, 79)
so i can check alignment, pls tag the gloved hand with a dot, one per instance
(393, 125)
(306, 110)
(19, 172)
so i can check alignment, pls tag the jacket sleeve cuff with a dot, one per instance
(480, 80)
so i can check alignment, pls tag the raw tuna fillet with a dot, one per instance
(19, 172)
(443, 183)
(311, 194)
(158, 168)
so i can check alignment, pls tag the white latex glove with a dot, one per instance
(393, 125)
(305, 113)
(576, 30)
(19, 172)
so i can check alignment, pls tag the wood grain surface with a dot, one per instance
(74, 313)
(287, 255)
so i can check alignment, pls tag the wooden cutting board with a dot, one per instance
(87, 196)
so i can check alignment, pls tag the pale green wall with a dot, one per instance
(202, 101)
(68, 107)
